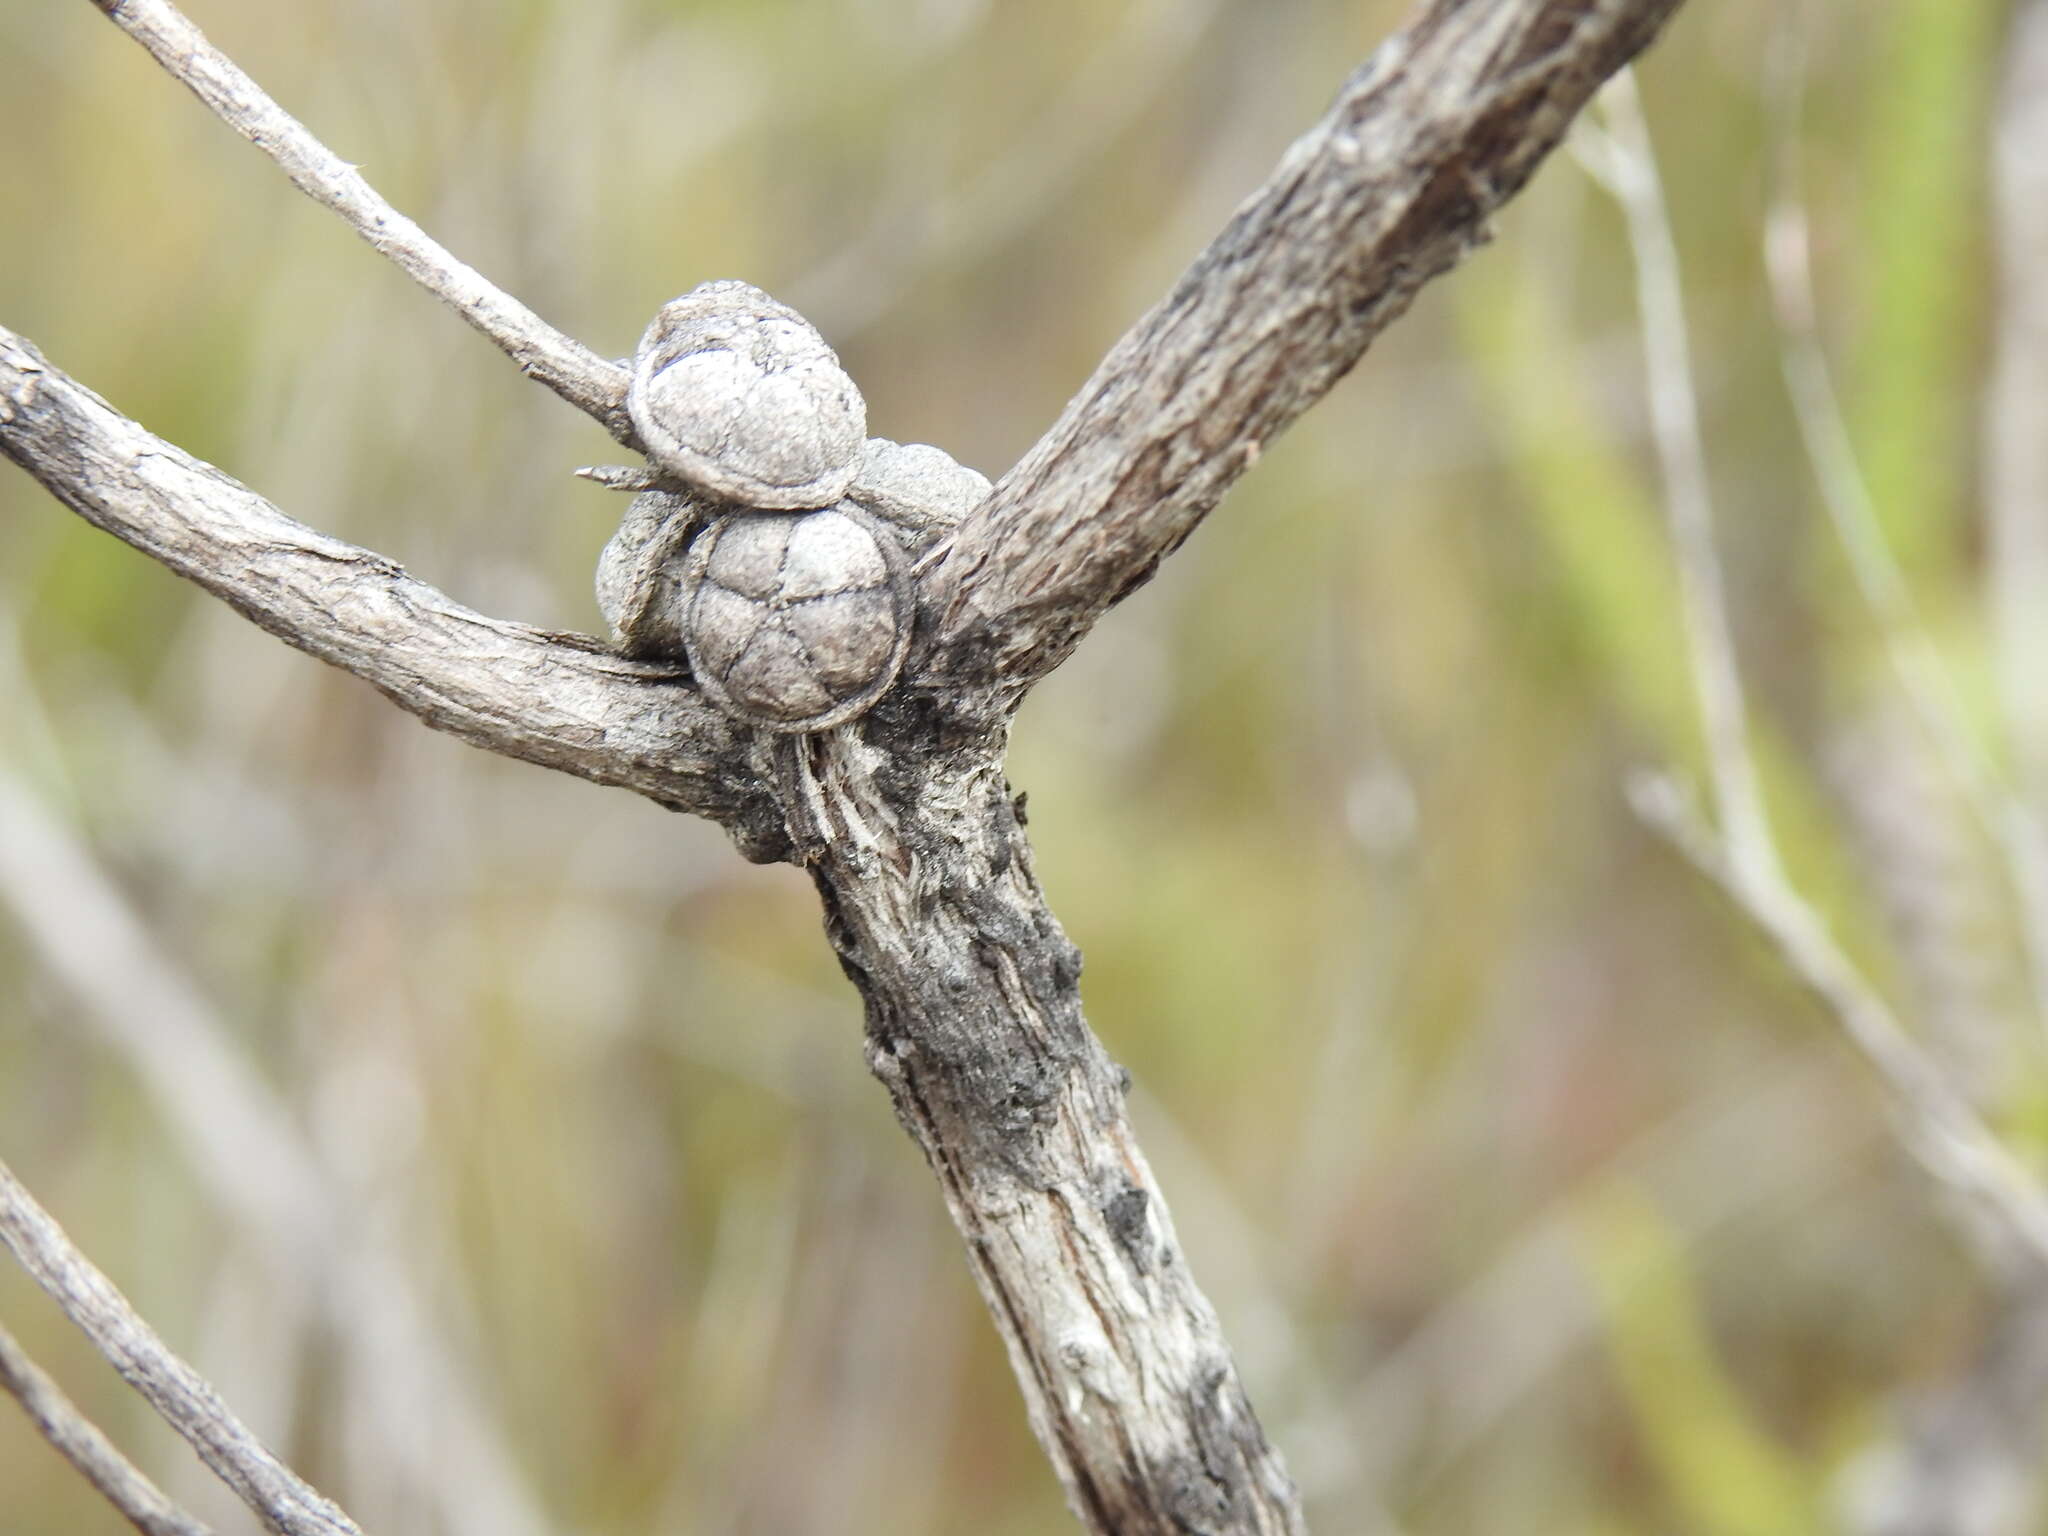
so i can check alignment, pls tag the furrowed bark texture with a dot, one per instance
(974, 1025)
(974, 1019)
(902, 816)
(1393, 187)
(562, 701)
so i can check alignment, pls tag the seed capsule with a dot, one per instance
(796, 621)
(737, 395)
(639, 571)
(916, 486)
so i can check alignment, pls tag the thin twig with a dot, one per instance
(2016, 425)
(285, 1502)
(81, 1442)
(2011, 825)
(2016, 450)
(1936, 1124)
(259, 1169)
(1621, 161)
(1741, 855)
(588, 382)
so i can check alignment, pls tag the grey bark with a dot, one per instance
(902, 816)
(285, 1502)
(80, 1442)
(563, 701)
(1394, 186)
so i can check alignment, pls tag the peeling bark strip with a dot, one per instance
(901, 815)
(1395, 185)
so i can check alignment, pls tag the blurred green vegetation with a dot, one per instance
(1535, 1195)
(1725, 1474)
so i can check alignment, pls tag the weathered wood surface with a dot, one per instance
(902, 816)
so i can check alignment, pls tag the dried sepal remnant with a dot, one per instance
(737, 395)
(639, 573)
(795, 621)
(915, 486)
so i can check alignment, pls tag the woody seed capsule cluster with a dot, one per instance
(774, 556)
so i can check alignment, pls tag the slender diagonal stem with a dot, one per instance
(2012, 826)
(1625, 164)
(285, 1502)
(554, 699)
(588, 382)
(80, 1441)
(1936, 1123)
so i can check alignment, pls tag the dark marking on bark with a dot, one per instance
(1221, 1485)
(1127, 1212)
(760, 834)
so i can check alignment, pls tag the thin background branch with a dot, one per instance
(2013, 827)
(79, 1441)
(286, 1503)
(544, 354)
(1936, 1123)
(256, 1167)
(1622, 162)
(2016, 440)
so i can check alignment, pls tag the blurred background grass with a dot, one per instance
(1535, 1196)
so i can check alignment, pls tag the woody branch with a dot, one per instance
(974, 1021)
